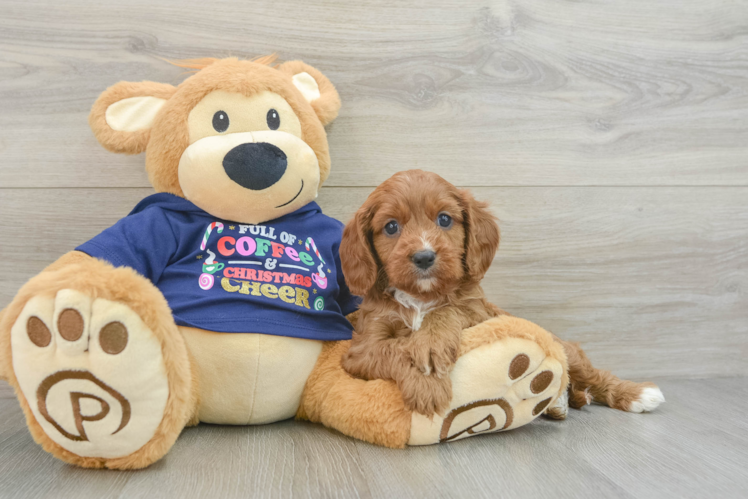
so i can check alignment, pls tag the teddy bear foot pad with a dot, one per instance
(92, 373)
(497, 387)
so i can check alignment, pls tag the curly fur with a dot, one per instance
(592, 384)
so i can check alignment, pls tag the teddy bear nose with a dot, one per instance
(255, 165)
(424, 259)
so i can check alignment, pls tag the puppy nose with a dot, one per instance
(424, 259)
(255, 165)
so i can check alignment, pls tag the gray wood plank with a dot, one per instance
(491, 92)
(723, 402)
(650, 280)
(692, 447)
(287, 459)
(27, 471)
(684, 449)
(526, 463)
(656, 455)
(6, 391)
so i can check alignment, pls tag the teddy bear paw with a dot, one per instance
(91, 372)
(496, 387)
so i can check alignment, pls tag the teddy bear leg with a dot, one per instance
(508, 373)
(373, 411)
(98, 365)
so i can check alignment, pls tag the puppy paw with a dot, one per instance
(356, 366)
(560, 408)
(419, 353)
(579, 398)
(426, 395)
(349, 364)
(431, 357)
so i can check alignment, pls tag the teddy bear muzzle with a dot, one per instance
(249, 177)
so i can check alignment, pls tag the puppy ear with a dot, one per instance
(359, 266)
(481, 235)
(316, 89)
(122, 116)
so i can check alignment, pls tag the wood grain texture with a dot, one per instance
(6, 392)
(693, 446)
(651, 281)
(598, 124)
(664, 447)
(496, 93)
(28, 471)
(596, 453)
(288, 459)
(609, 137)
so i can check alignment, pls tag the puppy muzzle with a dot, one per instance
(424, 259)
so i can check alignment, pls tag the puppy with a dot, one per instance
(416, 251)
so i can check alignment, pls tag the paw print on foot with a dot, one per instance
(92, 373)
(496, 387)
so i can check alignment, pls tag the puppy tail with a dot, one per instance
(588, 384)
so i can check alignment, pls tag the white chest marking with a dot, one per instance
(420, 309)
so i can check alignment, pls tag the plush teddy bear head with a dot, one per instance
(242, 140)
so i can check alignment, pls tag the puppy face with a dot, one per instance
(420, 234)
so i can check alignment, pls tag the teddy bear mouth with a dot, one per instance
(297, 195)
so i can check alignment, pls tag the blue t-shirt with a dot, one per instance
(281, 277)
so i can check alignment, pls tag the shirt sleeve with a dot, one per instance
(143, 241)
(348, 302)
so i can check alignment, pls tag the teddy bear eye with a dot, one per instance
(220, 121)
(273, 119)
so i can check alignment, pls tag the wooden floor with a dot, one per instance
(695, 445)
(609, 136)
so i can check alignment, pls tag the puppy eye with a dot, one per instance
(444, 221)
(220, 121)
(273, 119)
(391, 228)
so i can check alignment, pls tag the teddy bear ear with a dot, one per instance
(122, 116)
(316, 89)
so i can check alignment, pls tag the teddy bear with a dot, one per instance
(220, 298)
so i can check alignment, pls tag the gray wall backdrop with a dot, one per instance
(610, 138)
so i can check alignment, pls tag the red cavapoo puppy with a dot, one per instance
(416, 251)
